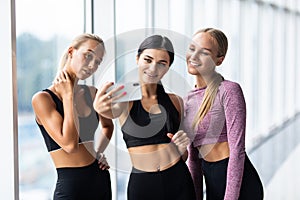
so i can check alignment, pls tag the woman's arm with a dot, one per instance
(63, 130)
(107, 128)
(178, 103)
(194, 164)
(104, 139)
(106, 133)
(235, 113)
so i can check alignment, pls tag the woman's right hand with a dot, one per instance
(103, 102)
(63, 84)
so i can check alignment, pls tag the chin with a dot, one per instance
(82, 78)
(147, 81)
(193, 71)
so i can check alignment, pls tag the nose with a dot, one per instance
(93, 65)
(195, 56)
(152, 67)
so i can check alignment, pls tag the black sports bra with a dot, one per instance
(88, 125)
(144, 128)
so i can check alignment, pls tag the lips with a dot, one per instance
(150, 75)
(194, 64)
(87, 72)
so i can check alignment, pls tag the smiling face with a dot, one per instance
(202, 55)
(153, 65)
(86, 59)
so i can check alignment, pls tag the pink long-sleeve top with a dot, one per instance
(226, 121)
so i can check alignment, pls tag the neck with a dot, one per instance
(149, 90)
(71, 74)
(203, 81)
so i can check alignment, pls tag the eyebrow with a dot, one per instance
(152, 58)
(207, 49)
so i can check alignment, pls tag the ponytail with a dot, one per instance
(208, 99)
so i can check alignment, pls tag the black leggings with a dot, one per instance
(78, 183)
(174, 183)
(215, 180)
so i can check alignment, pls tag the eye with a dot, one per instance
(148, 60)
(88, 56)
(162, 64)
(191, 48)
(97, 62)
(203, 53)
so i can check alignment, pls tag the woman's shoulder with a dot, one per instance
(42, 95)
(43, 102)
(228, 85)
(231, 91)
(174, 97)
(176, 100)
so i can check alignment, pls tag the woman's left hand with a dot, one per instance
(181, 140)
(103, 164)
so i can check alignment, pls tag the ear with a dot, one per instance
(220, 60)
(137, 59)
(70, 51)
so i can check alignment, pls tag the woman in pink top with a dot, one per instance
(215, 118)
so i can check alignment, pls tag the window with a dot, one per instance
(262, 57)
(42, 35)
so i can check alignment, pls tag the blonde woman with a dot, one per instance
(215, 116)
(66, 118)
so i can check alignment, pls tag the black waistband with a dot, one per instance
(78, 172)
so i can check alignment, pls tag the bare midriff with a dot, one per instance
(214, 152)
(152, 158)
(84, 156)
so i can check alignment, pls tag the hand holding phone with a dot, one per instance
(132, 89)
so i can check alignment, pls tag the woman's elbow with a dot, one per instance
(108, 131)
(71, 148)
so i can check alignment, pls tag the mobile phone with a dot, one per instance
(132, 89)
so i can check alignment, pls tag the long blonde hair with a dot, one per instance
(77, 41)
(212, 87)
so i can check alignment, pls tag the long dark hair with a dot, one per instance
(157, 42)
